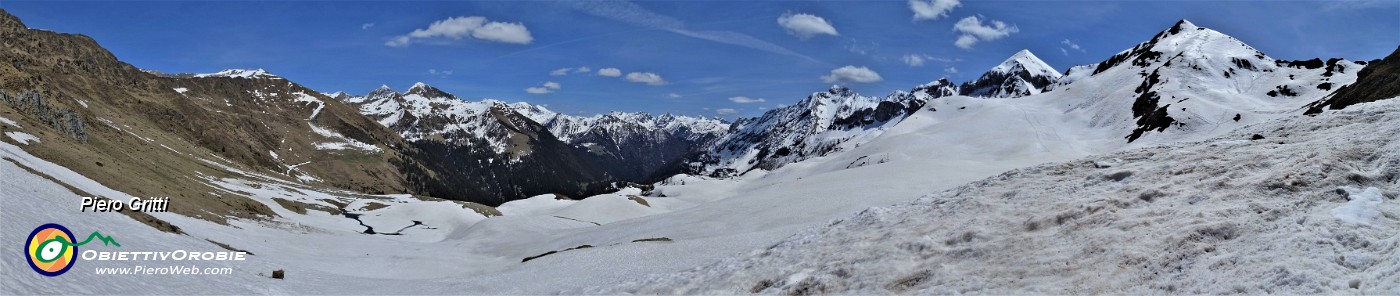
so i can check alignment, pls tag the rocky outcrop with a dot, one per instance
(32, 103)
(1379, 80)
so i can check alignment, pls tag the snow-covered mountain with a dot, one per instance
(938, 88)
(1189, 79)
(240, 73)
(1020, 75)
(838, 118)
(822, 123)
(646, 142)
(425, 112)
(491, 138)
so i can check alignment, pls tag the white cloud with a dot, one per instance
(1071, 45)
(636, 15)
(547, 87)
(852, 74)
(610, 72)
(504, 33)
(932, 9)
(566, 71)
(645, 77)
(746, 100)
(806, 26)
(462, 27)
(974, 31)
(861, 47)
(436, 72)
(918, 60)
(399, 41)
(366, 26)
(673, 95)
(726, 111)
(965, 41)
(950, 70)
(913, 60)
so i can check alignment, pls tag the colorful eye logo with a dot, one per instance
(50, 249)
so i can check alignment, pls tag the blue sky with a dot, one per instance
(690, 57)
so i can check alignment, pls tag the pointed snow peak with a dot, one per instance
(1024, 53)
(1182, 25)
(1182, 39)
(382, 91)
(1026, 61)
(1022, 74)
(419, 87)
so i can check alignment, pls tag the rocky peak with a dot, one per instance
(9, 22)
(938, 88)
(382, 92)
(428, 91)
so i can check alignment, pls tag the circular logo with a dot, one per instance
(50, 249)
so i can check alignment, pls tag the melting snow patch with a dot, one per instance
(344, 143)
(10, 122)
(181, 90)
(21, 137)
(308, 99)
(1362, 209)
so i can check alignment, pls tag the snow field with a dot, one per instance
(1180, 218)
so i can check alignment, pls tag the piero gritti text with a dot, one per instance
(147, 205)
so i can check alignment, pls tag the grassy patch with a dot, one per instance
(639, 200)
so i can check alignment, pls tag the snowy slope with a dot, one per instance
(1199, 217)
